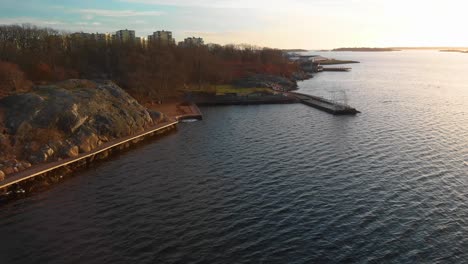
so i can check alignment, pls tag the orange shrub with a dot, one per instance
(12, 79)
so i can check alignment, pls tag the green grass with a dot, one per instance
(227, 88)
(224, 89)
(335, 62)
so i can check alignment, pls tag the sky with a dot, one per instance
(308, 24)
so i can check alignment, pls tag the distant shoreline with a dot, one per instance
(366, 49)
(430, 48)
(454, 50)
(294, 50)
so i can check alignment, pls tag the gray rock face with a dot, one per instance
(156, 116)
(69, 105)
(84, 114)
(72, 152)
(16, 104)
(87, 142)
(38, 158)
(8, 170)
(47, 150)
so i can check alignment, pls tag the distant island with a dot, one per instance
(454, 50)
(430, 48)
(362, 49)
(367, 49)
(294, 50)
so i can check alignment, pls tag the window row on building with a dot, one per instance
(158, 37)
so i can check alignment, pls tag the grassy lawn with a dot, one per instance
(335, 62)
(224, 89)
(227, 88)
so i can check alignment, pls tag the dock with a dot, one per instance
(326, 105)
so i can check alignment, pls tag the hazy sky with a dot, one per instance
(274, 23)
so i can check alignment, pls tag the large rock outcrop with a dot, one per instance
(62, 120)
(268, 81)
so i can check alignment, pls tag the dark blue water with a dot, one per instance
(278, 183)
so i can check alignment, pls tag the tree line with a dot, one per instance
(32, 55)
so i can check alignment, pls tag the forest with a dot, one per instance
(31, 55)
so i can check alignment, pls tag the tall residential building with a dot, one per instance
(79, 38)
(161, 37)
(192, 41)
(124, 35)
(88, 36)
(81, 35)
(99, 37)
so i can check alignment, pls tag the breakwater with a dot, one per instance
(336, 69)
(323, 104)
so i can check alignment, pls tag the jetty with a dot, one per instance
(336, 69)
(43, 174)
(329, 106)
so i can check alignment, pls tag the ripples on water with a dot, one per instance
(278, 183)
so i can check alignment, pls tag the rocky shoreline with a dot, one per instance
(42, 176)
(68, 119)
(64, 120)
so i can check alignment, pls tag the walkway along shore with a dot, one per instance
(13, 184)
(43, 174)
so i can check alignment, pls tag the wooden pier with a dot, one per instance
(323, 104)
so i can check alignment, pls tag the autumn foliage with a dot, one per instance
(45, 55)
(12, 79)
